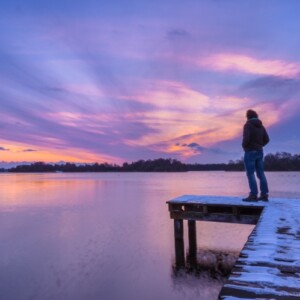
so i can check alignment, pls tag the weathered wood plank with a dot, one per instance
(269, 264)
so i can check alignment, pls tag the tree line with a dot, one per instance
(282, 161)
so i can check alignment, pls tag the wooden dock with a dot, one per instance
(269, 264)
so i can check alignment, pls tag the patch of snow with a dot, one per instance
(270, 260)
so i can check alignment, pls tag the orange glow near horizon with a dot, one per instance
(183, 116)
(227, 127)
(17, 154)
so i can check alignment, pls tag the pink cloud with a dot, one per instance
(247, 64)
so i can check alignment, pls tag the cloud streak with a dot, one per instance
(4, 149)
(29, 150)
(247, 64)
(198, 149)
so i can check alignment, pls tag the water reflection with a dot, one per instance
(214, 264)
(109, 236)
(28, 190)
(204, 274)
(210, 267)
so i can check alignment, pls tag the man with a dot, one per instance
(255, 137)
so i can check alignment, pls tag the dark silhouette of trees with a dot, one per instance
(67, 167)
(282, 161)
(206, 167)
(157, 165)
(237, 165)
(34, 167)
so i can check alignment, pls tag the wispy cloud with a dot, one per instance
(272, 88)
(198, 149)
(248, 64)
(178, 33)
(4, 149)
(29, 150)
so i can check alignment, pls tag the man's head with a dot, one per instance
(251, 114)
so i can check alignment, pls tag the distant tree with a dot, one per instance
(281, 161)
(35, 167)
(237, 165)
(156, 165)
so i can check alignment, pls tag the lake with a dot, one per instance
(109, 236)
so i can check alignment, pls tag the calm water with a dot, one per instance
(109, 236)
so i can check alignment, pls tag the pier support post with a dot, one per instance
(192, 241)
(179, 243)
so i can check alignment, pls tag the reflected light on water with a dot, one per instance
(46, 190)
(109, 235)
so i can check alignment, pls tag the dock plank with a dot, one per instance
(269, 264)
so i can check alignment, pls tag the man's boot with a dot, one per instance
(251, 198)
(263, 197)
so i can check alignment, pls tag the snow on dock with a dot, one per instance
(269, 264)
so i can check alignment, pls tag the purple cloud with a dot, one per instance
(199, 149)
(29, 150)
(4, 149)
(271, 88)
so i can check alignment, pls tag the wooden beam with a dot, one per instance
(192, 255)
(179, 243)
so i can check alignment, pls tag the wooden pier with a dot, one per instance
(269, 264)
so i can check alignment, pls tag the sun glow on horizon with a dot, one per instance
(29, 153)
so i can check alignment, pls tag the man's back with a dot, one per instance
(255, 136)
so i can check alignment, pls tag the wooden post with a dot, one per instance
(179, 243)
(192, 242)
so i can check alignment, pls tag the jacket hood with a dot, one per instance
(255, 122)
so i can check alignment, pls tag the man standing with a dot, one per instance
(255, 137)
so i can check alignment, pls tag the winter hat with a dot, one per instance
(251, 114)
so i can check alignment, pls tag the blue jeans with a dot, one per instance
(254, 162)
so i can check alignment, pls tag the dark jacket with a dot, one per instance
(255, 136)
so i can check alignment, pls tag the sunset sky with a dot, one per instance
(123, 80)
